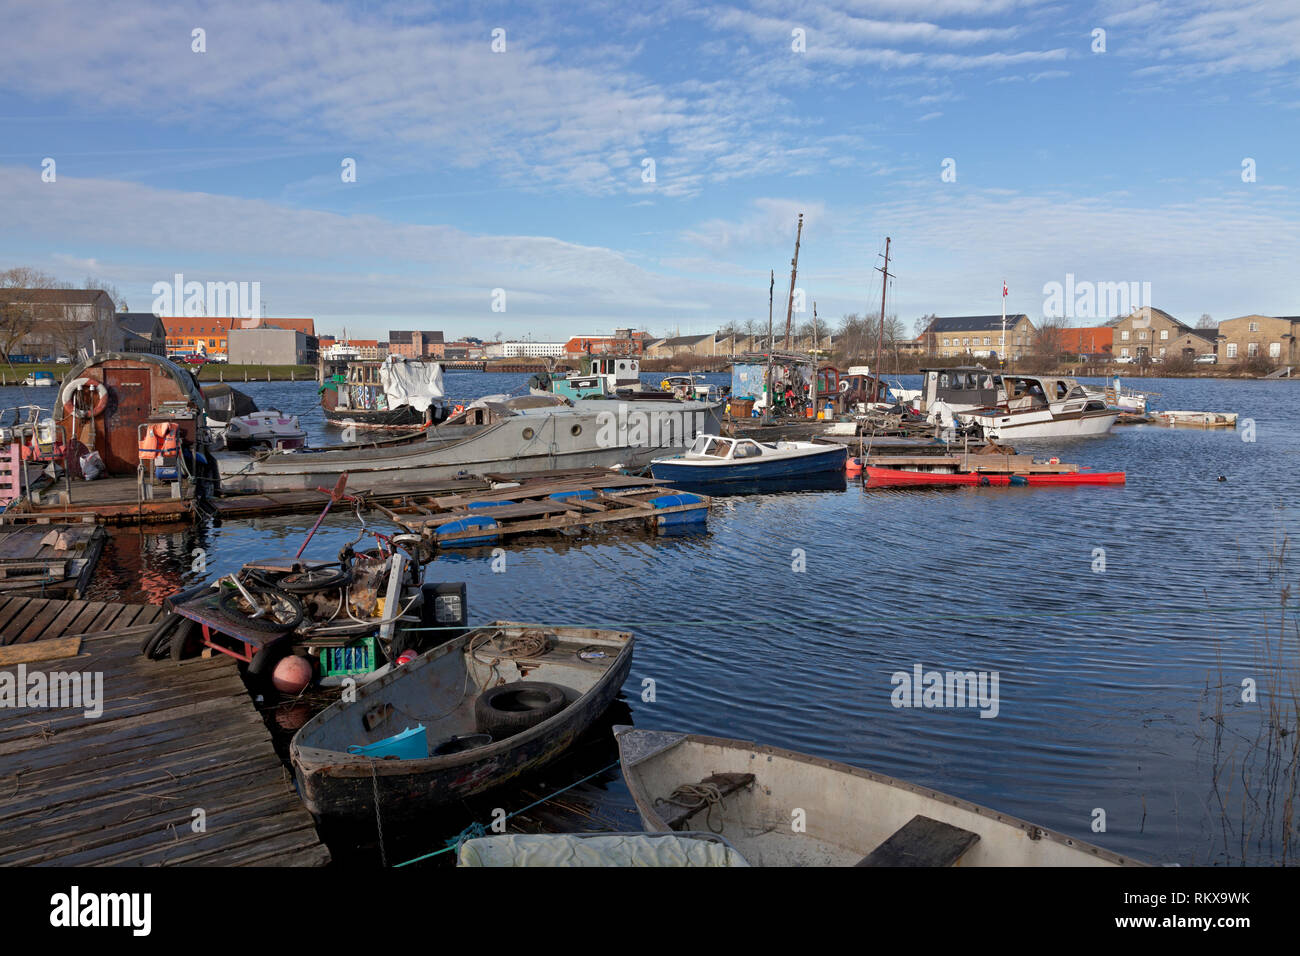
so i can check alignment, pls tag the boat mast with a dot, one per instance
(1002, 357)
(794, 269)
(771, 288)
(884, 284)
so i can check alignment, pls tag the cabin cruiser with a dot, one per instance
(947, 391)
(237, 423)
(530, 433)
(1041, 406)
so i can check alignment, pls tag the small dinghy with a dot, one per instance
(458, 720)
(780, 808)
(715, 459)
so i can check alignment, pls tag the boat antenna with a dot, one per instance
(880, 341)
(794, 269)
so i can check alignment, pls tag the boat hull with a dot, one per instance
(899, 478)
(402, 418)
(1001, 426)
(703, 473)
(595, 434)
(336, 785)
(848, 812)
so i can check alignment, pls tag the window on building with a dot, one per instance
(965, 342)
(1124, 337)
(1123, 351)
(1252, 349)
(1274, 349)
(1164, 335)
(1254, 326)
(986, 340)
(1232, 350)
(1143, 335)
(1162, 352)
(945, 341)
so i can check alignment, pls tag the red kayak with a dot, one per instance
(897, 478)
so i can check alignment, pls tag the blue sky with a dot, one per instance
(522, 170)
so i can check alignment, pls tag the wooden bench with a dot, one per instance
(675, 810)
(922, 841)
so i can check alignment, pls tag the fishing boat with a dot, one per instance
(602, 376)
(1041, 406)
(902, 478)
(781, 808)
(40, 379)
(530, 433)
(395, 394)
(237, 423)
(460, 719)
(715, 459)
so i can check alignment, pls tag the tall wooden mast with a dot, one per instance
(880, 342)
(794, 270)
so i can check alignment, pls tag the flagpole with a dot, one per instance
(1004, 322)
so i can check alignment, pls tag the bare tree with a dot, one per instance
(98, 285)
(1205, 322)
(1049, 338)
(17, 318)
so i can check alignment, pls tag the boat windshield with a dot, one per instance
(747, 449)
(710, 447)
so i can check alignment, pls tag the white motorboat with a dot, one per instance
(236, 422)
(946, 392)
(1042, 406)
(780, 808)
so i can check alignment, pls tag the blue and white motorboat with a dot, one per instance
(713, 459)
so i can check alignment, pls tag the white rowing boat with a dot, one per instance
(780, 808)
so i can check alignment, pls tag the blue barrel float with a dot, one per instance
(469, 523)
(694, 516)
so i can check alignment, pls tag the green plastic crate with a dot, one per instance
(355, 658)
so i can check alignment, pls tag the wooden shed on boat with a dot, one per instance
(145, 416)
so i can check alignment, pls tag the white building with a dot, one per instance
(524, 349)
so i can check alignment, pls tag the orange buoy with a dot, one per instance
(292, 674)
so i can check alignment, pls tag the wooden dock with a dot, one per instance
(538, 503)
(125, 787)
(49, 560)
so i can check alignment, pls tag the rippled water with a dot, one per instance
(1103, 677)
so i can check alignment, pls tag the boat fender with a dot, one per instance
(70, 391)
(515, 707)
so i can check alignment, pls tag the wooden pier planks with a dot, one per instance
(49, 559)
(121, 788)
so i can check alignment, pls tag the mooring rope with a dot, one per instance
(477, 829)
(694, 796)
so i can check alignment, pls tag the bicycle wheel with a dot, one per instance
(280, 611)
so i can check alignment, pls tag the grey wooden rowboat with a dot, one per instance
(493, 704)
(780, 808)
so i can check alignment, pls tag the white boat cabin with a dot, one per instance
(731, 449)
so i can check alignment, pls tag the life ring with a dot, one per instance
(844, 385)
(457, 410)
(76, 385)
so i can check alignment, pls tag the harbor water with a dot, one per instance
(1127, 626)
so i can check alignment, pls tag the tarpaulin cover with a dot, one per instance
(627, 849)
(747, 380)
(418, 384)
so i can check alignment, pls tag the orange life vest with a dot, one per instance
(148, 445)
(169, 439)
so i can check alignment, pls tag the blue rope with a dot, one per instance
(477, 829)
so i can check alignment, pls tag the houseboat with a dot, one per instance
(396, 394)
(529, 433)
(136, 422)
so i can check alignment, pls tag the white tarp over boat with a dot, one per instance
(600, 849)
(418, 384)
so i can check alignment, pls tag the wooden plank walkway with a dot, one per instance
(121, 788)
(49, 560)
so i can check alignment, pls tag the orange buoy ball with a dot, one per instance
(292, 674)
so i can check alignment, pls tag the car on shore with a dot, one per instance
(1206, 360)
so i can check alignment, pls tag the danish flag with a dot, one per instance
(1004, 288)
